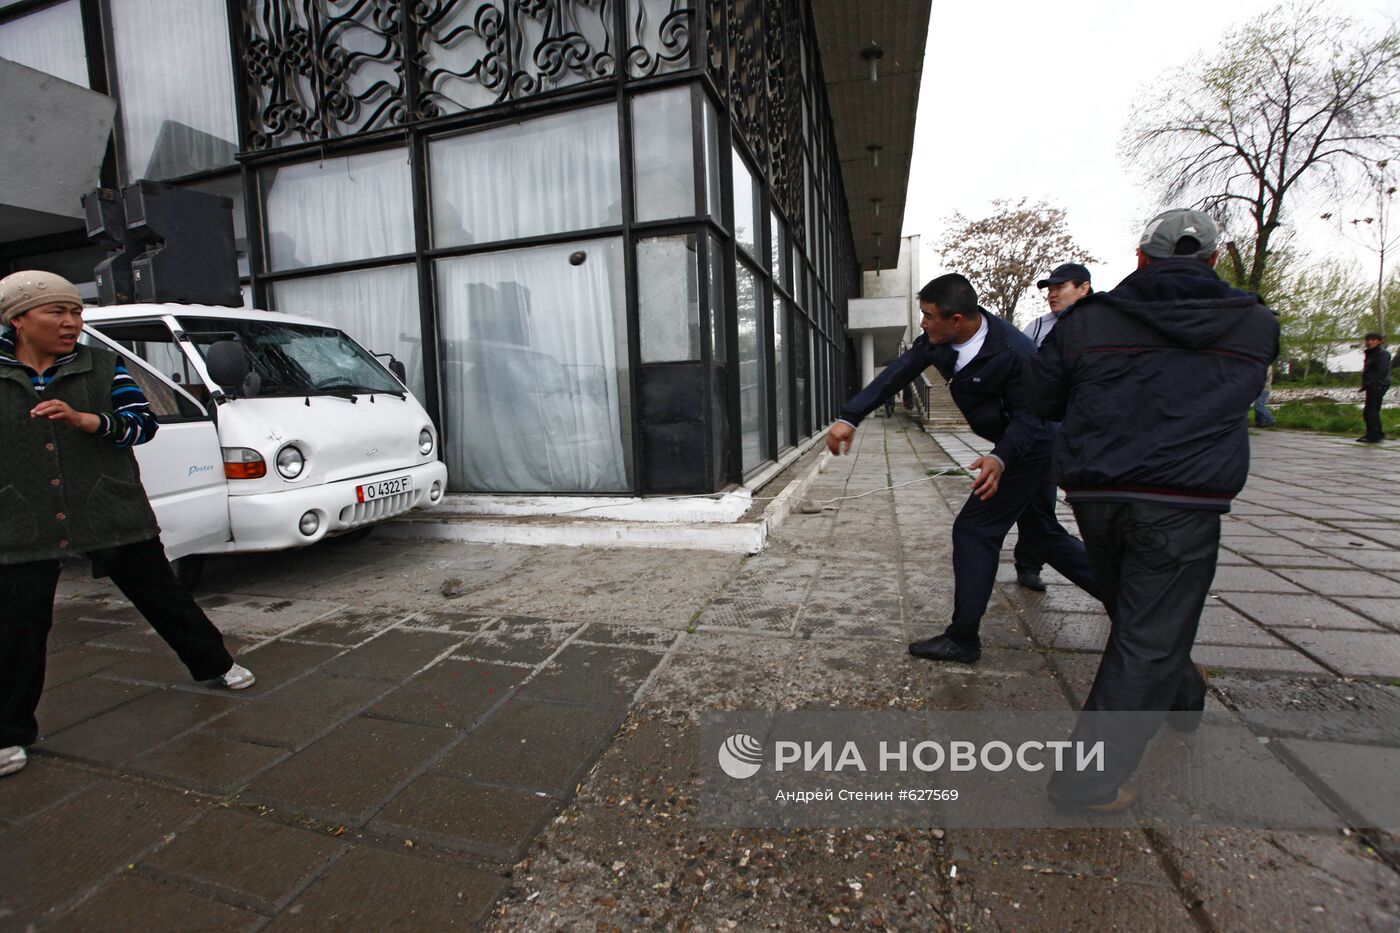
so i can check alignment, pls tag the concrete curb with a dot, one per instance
(732, 537)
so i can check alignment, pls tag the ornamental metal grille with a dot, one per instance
(318, 69)
(747, 79)
(314, 70)
(478, 53)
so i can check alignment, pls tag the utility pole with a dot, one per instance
(1384, 192)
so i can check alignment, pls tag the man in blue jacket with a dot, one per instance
(1151, 382)
(982, 358)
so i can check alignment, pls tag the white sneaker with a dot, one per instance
(238, 677)
(12, 759)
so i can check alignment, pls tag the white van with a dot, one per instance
(275, 431)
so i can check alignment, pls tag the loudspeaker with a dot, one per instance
(106, 226)
(186, 243)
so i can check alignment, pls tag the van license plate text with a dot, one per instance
(385, 487)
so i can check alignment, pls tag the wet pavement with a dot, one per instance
(456, 735)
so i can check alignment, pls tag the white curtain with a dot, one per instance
(549, 175)
(377, 307)
(48, 40)
(176, 85)
(534, 369)
(337, 210)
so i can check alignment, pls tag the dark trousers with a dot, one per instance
(1372, 412)
(143, 574)
(1026, 499)
(1154, 565)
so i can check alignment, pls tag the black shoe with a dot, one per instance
(1030, 579)
(1368, 440)
(1190, 703)
(943, 648)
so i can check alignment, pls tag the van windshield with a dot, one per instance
(296, 359)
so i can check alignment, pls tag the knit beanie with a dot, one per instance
(23, 291)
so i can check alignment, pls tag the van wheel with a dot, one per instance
(188, 570)
(351, 537)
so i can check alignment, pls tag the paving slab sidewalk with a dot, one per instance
(455, 735)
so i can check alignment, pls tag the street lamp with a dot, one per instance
(1380, 225)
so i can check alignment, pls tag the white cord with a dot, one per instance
(716, 496)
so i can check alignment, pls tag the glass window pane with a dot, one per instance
(753, 388)
(377, 307)
(779, 248)
(718, 348)
(337, 210)
(712, 163)
(664, 160)
(176, 96)
(668, 299)
(49, 40)
(534, 352)
(801, 357)
(781, 351)
(548, 175)
(745, 205)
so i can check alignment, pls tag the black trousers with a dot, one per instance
(144, 576)
(1026, 499)
(1155, 565)
(1371, 412)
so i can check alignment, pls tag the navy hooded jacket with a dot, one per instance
(1152, 381)
(987, 390)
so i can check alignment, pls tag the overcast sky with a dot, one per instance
(1030, 98)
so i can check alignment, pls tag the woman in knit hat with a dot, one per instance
(69, 416)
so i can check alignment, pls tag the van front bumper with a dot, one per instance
(274, 520)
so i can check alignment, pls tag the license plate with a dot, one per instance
(385, 487)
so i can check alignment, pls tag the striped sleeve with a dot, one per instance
(131, 421)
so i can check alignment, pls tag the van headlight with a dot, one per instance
(425, 442)
(290, 462)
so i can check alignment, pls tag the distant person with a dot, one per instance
(69, 415)
(1149, 381)
(982, 358)
(1064, 286)
(1263, 418)
(1375, 380)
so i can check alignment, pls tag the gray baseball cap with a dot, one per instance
(1162, 232)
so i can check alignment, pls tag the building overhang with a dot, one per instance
(47, 171)
(866, 114)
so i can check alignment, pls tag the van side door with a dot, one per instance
(182, 466)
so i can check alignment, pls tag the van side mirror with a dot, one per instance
(227, 364)
(399, 370)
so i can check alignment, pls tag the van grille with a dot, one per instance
(362, 513)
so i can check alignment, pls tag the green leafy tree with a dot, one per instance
(1320, 306)
(1297, 98)
(1004, 253)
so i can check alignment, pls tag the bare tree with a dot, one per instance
(1297, 97)
(1004, 253)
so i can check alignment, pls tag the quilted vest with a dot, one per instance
(65, 492)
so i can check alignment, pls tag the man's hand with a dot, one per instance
(985, 486)
(63, 413)
(838, 438)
